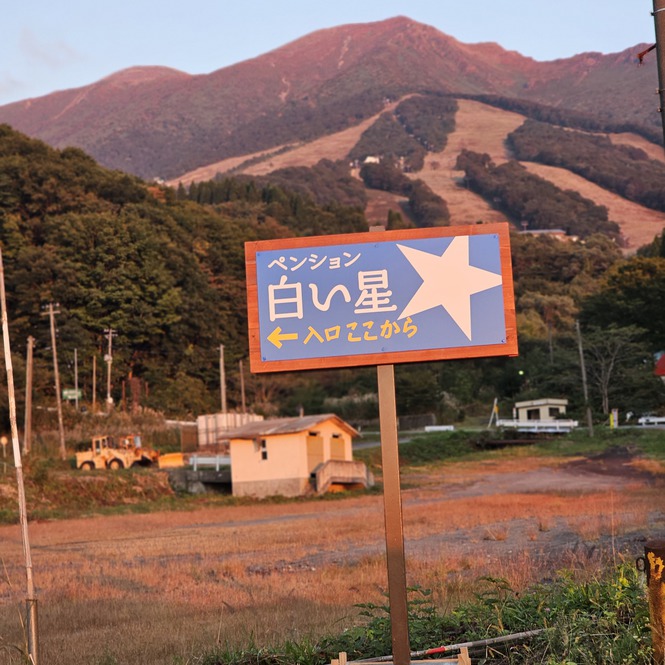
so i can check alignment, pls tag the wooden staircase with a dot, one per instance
(340, 472)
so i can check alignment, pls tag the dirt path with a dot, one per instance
(431, 498)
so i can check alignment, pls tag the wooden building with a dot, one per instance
(294, 456)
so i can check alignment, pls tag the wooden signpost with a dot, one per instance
(361, 299)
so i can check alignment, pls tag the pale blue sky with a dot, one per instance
(47, 46)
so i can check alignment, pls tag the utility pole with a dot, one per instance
(76, 379)
(94, 384)
(589, 417)
(242, 388)
(659, 21)
(222, 377)
(110, 333)
(27, 425)
(56, 376)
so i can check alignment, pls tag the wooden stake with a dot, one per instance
(31, 601)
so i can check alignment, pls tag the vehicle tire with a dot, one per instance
(116, 464)
(87, 466)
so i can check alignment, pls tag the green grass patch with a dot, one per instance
(647, 441)
(441, 447)
(427, 449)
(601, 620)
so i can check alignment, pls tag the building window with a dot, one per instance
(264, 449)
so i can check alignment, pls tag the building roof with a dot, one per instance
(542, 402)
(278, 426)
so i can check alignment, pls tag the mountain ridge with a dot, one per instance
(318, 84)
(313, 98)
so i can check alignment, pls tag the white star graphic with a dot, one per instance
(449, 281)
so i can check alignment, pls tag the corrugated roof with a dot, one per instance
(286, 426)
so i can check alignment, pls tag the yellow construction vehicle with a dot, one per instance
(107, 452)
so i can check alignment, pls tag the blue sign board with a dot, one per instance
(376, 298)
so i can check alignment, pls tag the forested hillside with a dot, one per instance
(528, 199)
(625, 170)
(114, 252)
(164, 268)
(566, 117)
(590, 175)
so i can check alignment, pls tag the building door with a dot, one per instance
(314, 451)
(337, 448)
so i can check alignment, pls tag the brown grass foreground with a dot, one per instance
(160, 587)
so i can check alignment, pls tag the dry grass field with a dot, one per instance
(158, 588)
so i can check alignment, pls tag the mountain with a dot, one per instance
(159, 122)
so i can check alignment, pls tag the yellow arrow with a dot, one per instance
(276, 337)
